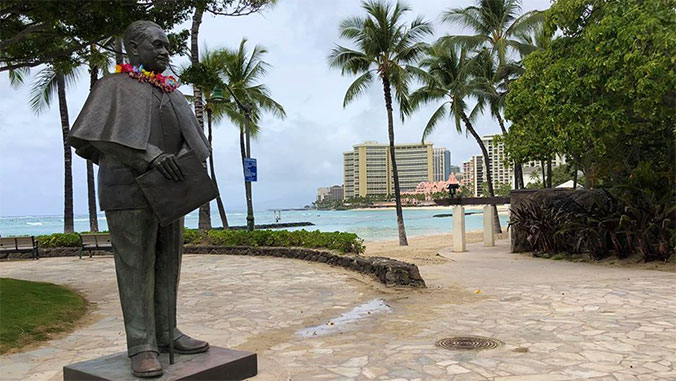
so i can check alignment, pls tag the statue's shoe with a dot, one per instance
(145, 365)
(186, 345)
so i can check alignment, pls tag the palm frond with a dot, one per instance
(43, 89)
(17, 77)
(434, 120)
(358, 87)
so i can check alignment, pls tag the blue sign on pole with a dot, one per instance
(250, 169)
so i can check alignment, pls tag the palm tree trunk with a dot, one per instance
(91, 188)
(205, 210)
(119, 57)
(250, 225)
(489, 176)
(219, 202)
(549, 173)
(247, 185)
(518, 170)
(68, 226)
(574, 177)
(544, 174)
(390, 132)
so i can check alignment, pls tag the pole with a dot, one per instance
(249, 203)
(246, 109)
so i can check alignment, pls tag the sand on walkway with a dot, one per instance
(424, 250)
(421, 250)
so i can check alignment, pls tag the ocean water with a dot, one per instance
(370, 224)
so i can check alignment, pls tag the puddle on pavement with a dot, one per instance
(369, 308)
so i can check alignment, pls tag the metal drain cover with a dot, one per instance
(469, 343)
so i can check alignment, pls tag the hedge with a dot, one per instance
(59, 240)
(343, 242)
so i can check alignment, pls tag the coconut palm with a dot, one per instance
(216, 8)
(491, 84)
(99, 62)
(385, 47)
(48, 82)
(500, 29)
(211, 64)
(496, 24)
(449, 78)
(242, 71)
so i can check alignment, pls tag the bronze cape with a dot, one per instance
(118, 110)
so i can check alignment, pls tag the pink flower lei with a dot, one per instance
(166, 83)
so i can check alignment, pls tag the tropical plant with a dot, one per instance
(385, 47)
(449, 78)
(242, 72)
(98, 61)
(498, 31)
(217, 8)
(49, 82)
(207, 78)
(497, 26)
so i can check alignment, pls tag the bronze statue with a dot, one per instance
(133, 122)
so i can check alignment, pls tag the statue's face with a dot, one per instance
(153, 52)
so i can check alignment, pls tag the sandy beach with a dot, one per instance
(423, 250)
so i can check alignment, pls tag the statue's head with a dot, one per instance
(147, 45)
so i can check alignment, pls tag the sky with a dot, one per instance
(295, 155)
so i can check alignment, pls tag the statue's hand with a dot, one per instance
(168, 166)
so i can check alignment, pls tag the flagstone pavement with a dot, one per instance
(557, 320)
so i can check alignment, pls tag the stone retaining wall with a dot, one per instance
(54, 252)
(388, 271)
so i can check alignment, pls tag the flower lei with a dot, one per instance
(165, 83)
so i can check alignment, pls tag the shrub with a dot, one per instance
(623, 221)
(343, 242)
(59, 240)
(193, 236)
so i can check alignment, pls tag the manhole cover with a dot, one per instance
(469, 343)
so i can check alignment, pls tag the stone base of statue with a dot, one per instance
(215, 364)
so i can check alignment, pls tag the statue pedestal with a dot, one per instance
(215, 364)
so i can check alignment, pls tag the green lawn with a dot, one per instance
(31, 311)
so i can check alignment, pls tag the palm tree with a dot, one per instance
(385, 47)
(450, 78)
(98, 62)
(211, 63)
(498, 28)
(491, 85)
(225, 8)
(496, 24)
(242, 72)
(50, 81)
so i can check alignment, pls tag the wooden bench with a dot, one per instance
(23, 244)
(95, 241)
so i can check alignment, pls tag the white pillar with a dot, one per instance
(458, 228)
(489, 235)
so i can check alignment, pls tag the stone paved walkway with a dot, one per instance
(558, 320)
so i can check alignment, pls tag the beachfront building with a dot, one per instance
(467, 178)
(333, 193)
(428, 188)
(367, 169)
(532, 170)
(478, 174)
(441, 164)
(501, 169)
